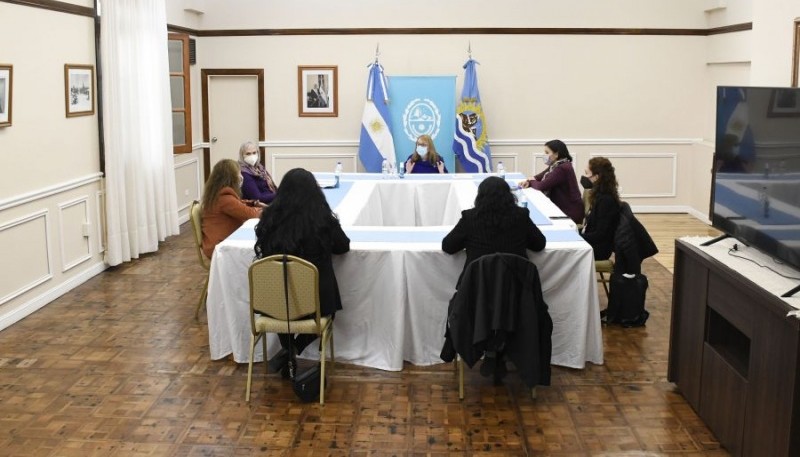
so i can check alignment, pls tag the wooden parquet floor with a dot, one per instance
(119, 367)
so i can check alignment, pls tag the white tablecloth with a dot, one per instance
(396, 282)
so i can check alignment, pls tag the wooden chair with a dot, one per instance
(268, 308)
(602, 267)
(195, 216)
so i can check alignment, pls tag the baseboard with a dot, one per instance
(25, 309)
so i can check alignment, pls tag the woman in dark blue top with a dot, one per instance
(425, 159)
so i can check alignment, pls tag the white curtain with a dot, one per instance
(141, 203)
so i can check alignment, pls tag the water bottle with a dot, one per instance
(337, 172)
(766, 170)
(501, 169)
(385, 169)
(521, 201)
(401, 169)
(763, 197)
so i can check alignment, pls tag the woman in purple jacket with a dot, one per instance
(558, 181)
(257, 184)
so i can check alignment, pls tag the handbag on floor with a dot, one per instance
(306, 384)
(626, 299)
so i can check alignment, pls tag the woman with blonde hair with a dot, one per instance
(425, 159)
(223, 210)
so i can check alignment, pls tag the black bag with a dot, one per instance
(306, 384)
(626, 299)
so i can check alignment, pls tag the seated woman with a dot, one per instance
(257, 184)
(603, 215)
(495, 224)
(223, 210)
(300, 222)
(425, 159)
(558, 181)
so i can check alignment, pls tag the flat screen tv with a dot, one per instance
(756, 189)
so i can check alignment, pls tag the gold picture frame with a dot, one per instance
(317, 91)
(79, 90)
(796, 55)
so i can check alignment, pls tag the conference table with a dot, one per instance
(396, 282)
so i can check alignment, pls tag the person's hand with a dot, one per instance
(409, 166)
(524, 184)
(259, 204)
(440, 166)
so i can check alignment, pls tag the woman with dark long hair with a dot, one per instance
(558, 181)
(603, 216)
(495, 224)
(300, 222)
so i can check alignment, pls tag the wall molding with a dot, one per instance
(656, 155)
(21, 199)
(62, 242)
(53, 5)
(46, 277)
(196, 162)
(100, 227)
(31, 306)
(464, 31)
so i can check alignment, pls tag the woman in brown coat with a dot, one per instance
(224, 211)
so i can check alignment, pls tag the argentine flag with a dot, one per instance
(376, 141)
(471, 141)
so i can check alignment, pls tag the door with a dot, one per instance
(233, 112)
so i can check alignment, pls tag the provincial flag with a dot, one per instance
(471, 141)
(376, 142)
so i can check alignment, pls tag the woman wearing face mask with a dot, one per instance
(558, 181)
(425, 159)
(258, 184)
(603, 216)
(223, 210)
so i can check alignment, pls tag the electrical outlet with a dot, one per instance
(85, 229)
(186, 192)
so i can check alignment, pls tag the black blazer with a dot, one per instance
(601, 223)
(478, 238)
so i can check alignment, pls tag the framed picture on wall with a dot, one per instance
(6, 75)
(79, 89)
(317, 91)
(784, 103)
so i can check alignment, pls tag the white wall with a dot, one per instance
(50, 181)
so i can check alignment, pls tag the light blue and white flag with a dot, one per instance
(423, 105)
(376, 141)
(471, 141)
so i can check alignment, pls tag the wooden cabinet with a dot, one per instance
(735, 356)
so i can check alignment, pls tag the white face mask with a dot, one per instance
(422, 150)
(251, 159)
(547, 160)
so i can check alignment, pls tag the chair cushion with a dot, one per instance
(266, 324)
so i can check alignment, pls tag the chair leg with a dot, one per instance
(533, 393)
(604, 281)
(333, 357)
(322, 369)
(253, 342)
(202, 300)
(264, 349)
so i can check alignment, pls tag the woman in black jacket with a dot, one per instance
(300, 222)
(495, 224)
(603, 216)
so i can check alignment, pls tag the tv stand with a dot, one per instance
(791, 292)
(734, 354)
(714, 240)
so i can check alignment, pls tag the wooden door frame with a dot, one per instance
(204, 76)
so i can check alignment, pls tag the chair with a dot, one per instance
(195, 215)
(602, 267)
(268, 308)
(507, 288)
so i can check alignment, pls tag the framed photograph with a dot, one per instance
(6, 75)
(79, 89)
(784, 103)
(317, 91)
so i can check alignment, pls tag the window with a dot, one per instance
(178, 46)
